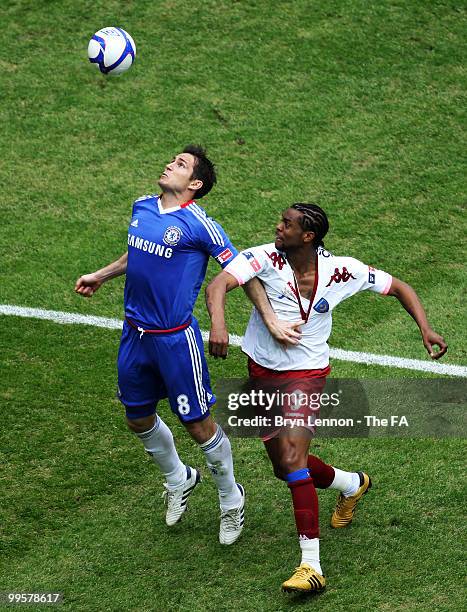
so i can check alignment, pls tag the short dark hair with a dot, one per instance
(313, 219)
(203, 169)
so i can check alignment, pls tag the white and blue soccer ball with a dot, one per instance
(112, 50)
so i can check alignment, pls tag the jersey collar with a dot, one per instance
(164, 211)
(185, 204)
(306, 314)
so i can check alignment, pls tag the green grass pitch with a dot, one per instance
(358, 105)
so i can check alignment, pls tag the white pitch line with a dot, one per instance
(67, 318)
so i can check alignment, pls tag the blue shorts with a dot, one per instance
(173, 365)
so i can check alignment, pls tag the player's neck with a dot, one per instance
(170, 199)
(302, 260)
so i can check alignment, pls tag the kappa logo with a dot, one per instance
(339, 277)
(172, 235)
(277, 259)
(321, 306)
(134, 223)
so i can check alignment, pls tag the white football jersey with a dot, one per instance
(337, 278)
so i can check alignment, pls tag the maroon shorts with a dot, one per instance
(296, 395)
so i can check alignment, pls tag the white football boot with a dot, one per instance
(176, 499)
(232, 521)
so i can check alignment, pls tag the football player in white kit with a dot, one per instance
(303, 281)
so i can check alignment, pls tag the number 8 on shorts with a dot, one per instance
(182, 404)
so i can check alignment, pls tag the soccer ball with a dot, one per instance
(112, 50)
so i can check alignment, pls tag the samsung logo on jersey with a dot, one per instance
(149, 247)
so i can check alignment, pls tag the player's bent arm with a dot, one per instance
(412, 304)
(215, 303)
(284, 332)
(88, 284)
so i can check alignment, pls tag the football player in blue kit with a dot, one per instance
(161, 355)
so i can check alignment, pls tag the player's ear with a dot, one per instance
(308, 236)
(195, 184)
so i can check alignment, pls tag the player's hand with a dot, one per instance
(431, 338)
(286, 333)
(218, 342)
(87, 285)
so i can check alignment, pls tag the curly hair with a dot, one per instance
(314, 220)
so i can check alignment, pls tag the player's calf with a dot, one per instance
(218, 454)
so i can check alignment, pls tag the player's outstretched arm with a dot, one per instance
(411, 302)
(285, 332)
(215, 303)
(88, 284)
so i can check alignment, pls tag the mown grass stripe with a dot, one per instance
(67, 318)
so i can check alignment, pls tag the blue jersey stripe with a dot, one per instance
(208, 224)
(207, 227)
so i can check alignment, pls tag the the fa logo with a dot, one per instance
(172, 235)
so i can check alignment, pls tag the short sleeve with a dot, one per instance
(248, 264)
(369, 278)
(378, 280)
(213, 239)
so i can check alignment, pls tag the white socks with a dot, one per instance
(347, 483)
(218, 453)
(310, 553)
(159, 443)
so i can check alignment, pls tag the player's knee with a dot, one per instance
(202, 431)
(140, 425)
(290, 461)
(281, 465)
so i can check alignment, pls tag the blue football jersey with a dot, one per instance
(168, 252)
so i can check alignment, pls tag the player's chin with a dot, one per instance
(279, 244)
